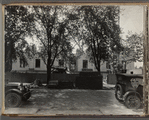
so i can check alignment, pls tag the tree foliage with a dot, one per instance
(50, 29)
(102, 32)
(17, 26)
(56, 27)
(133, 50)
(48, 24)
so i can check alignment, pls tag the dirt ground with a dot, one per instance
(73, 101)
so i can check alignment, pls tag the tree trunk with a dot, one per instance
(48, 71)
(8, 56)
(98, 67)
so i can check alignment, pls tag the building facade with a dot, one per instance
(83, 63)
(35, 64)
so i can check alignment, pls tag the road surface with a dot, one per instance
(73, 102)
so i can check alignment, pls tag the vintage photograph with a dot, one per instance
(73, 59)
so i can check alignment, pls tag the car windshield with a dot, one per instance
(59, 70)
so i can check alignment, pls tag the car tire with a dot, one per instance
(133, 101)
(13, 100)
(119, 93)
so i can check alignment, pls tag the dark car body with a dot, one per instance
(16, 92)
(61, 70)
(129, 88)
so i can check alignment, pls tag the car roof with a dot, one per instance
(130, 75)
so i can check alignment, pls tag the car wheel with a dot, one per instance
(13, 100)
(133, 102)
(119, 93)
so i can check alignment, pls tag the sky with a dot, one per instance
(131, 19)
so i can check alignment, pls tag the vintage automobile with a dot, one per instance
(15, 93)
(129, 89)
(61, 70)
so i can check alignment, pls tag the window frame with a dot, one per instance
(36, 64)
(83, 64)
(22, 63)
(60, 61)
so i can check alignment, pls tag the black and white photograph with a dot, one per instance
(73, 59)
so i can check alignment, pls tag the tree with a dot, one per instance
(102, 32)
(50, 29)
(133, 50)
(47, 24)
(17, 26)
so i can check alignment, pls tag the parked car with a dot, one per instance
(129, 89)
(62, 70)
(15, 93)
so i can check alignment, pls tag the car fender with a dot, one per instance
(14, 90)
(120, 98)
(119, 85)
(129, 93)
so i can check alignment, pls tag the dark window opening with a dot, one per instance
(61, 63)
(124, 65)
(22, 63)
(37, 63)
(108, 65)
(85, 64)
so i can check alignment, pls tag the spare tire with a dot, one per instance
(133, 101)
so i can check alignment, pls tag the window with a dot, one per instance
(37, 63)
(85, 64)
(108, 65)
(61, 63)
(22, 63)
(124, 65)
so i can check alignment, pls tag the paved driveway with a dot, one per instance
(73, 101)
